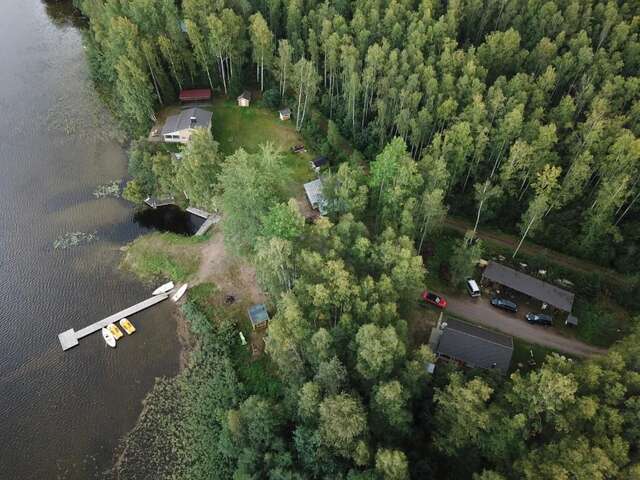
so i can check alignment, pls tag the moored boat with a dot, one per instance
(167, 287)
(178, 295)
(127, 326)
(108, 338)
(115, 331)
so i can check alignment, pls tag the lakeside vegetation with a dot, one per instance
(163, 255)
(522, 115)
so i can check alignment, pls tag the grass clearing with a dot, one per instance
(164, 255)
(522, 355)
(234, 127)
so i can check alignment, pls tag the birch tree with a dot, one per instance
(262, 43)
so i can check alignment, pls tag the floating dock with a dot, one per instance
(69, 338)
(154, 202)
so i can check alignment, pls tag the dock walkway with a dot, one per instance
(198, 212)
(208, 223)
(69, 338)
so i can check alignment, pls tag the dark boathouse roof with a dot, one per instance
(475, 346)
(523, 283)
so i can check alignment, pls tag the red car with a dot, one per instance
(434, 299)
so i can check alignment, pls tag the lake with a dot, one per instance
(62, 413)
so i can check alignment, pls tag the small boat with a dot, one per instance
(178, 295)
(115, 331)
(127, 326)
(108, 338)
(167, 287)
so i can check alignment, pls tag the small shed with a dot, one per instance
(571, 321)
(318, 163)
(259, 316)
(195, 95)
(244, 99)
(314, 195)
(285, 114)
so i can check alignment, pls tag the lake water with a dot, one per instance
(62, 413)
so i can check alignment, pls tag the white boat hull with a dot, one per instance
(178, 295)
(167, 287)
(108, 338)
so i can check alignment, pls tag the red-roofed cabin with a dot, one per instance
(195, 95)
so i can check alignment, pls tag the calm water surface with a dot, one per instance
(61, 414)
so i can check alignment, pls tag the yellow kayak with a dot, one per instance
(115, 331)
(127, 326)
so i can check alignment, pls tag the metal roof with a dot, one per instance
(521, 282)
(475, 346)
(182, 121)
(258, 314)
(314, 194)
(246, 95)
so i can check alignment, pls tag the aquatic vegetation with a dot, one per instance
(74, 239)
(111, 189)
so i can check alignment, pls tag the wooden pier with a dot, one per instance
(198, 212)
(154, 202)
(208, 223)
(69, 338)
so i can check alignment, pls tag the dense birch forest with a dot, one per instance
(518, 114)
(532, 106)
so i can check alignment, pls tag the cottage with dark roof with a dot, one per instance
(179, 128)
(473, 346)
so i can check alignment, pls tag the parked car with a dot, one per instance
(539, 318)
(504, 304)
(434, 299)
(472, 287)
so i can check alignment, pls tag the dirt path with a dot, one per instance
(232, 275)
(505, 240)
(481, 312)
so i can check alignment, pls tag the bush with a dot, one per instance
(271, 98)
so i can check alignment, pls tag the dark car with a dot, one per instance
(504, 304)
(539, 318)
(434, 299)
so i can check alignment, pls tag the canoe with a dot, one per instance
(167, 287)
(115, 331)
(178, 295)
(108, 338)
(127, 326)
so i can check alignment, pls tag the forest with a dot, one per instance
(533, 107)
(521, 115)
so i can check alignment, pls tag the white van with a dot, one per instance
(472, 288)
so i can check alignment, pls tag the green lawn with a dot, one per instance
(234, 127)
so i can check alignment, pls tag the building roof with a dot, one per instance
(319, 161)
(523, 283)
(314, 194)
(475, 346)
(182, 121)
(572, 320)
(246, 95)
(258, 314)
(195, 94)
(285, 111)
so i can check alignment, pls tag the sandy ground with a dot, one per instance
(231, 274)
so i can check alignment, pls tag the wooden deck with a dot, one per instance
(154, 202)
(69, 338)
